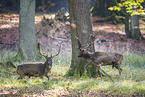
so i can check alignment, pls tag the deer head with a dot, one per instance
(48, 59)
(83, 52)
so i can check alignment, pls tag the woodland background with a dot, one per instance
(109, 37)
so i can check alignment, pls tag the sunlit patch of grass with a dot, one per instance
(83, 84)
(6, 55)
(126, 87)
(63, 59)
(58, 71)
(134, 60)
(39, 17)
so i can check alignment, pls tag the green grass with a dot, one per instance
(131, 82)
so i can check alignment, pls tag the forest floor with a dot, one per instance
(105, 32)
(109, 37)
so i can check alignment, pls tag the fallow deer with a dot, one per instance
(100, 58)
(36, 69)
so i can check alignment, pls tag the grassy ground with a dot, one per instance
(131, 82)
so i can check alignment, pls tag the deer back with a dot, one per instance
(31, 68)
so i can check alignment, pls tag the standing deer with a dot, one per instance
(36, 69)
(101, 58)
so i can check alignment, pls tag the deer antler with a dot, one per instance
(39, 50)
(79, 44)
(88, 45)
(58, 52)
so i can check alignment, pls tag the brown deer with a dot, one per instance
(101, 58)
(36, 69)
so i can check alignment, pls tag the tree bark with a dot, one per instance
(135, 30)
(79, 11)
(27, 35)
(127, 31)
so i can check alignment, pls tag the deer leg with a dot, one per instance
(21, 76)
(117, 66)
(120, 70)
(47, 77)
(45, 74)
(29, 76)
(99, 69)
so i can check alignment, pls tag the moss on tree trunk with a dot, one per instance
(27, 35)
(135, 30)
(80, 16)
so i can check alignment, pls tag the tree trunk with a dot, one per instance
(27, 35)
(79, 11)
(135, 30)
(127, 31)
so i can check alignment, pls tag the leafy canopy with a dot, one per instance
(133, 7)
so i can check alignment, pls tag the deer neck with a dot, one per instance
(86, 56)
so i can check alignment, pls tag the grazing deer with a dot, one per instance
(36, 69)
(101, 58)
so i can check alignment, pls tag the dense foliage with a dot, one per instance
(132, 7)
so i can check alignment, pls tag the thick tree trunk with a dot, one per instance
(27, 35)
(135, 30)
(80, 16)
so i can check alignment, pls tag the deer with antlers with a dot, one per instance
(100, 58)
(36, 69)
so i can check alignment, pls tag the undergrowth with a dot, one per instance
(130, 83)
